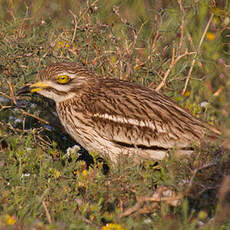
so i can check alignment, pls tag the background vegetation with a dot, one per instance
(180, 48)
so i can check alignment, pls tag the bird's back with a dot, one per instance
(129, 117)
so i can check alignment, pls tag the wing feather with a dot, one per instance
(128, 113)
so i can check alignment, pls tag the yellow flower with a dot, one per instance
(55, 173)
(187, 94)
(85, 172)
(202, 215)
(65, 44)
(112, 226)
(210, 36)
(60, 44)
(9, 219)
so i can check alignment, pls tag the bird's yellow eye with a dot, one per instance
(63, 79)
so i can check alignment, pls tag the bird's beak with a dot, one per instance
(32, 88)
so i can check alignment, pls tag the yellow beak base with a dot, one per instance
(32, 88)
(37, 86)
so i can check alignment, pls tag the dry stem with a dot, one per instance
(47, 212)
(172, 64)
(196, 53)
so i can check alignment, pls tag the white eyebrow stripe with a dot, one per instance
(71, 75)
(147, 123)
(58, 87)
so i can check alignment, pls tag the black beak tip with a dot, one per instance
(24, 90)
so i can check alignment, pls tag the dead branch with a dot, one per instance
(162, 194)
(34, 116)
(172, 64)
(75, 26)
(194, 173)
(47, 212)
(196, 53)
(181, 26)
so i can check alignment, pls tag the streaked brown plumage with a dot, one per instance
(116, 117)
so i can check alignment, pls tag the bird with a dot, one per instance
(118, 118)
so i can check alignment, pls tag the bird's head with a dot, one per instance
(59, 81)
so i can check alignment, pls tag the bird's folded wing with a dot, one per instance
(144, 122)
(142, 117)
(129, 132)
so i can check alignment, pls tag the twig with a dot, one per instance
(86, 10)
(11, 91)
(37, 118)
(206, 189)
(12, 128)
(5, 95)
(130, 47)
(12, 97)
(181, 27)
(42, 140)
(123, 20)
(131, 210)
(196, 53)
(190, 40)
(173, 62)
(157, 197)
(195, 171)
(5, 107)
(75, 26)
(156, 37)
(47, 212)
